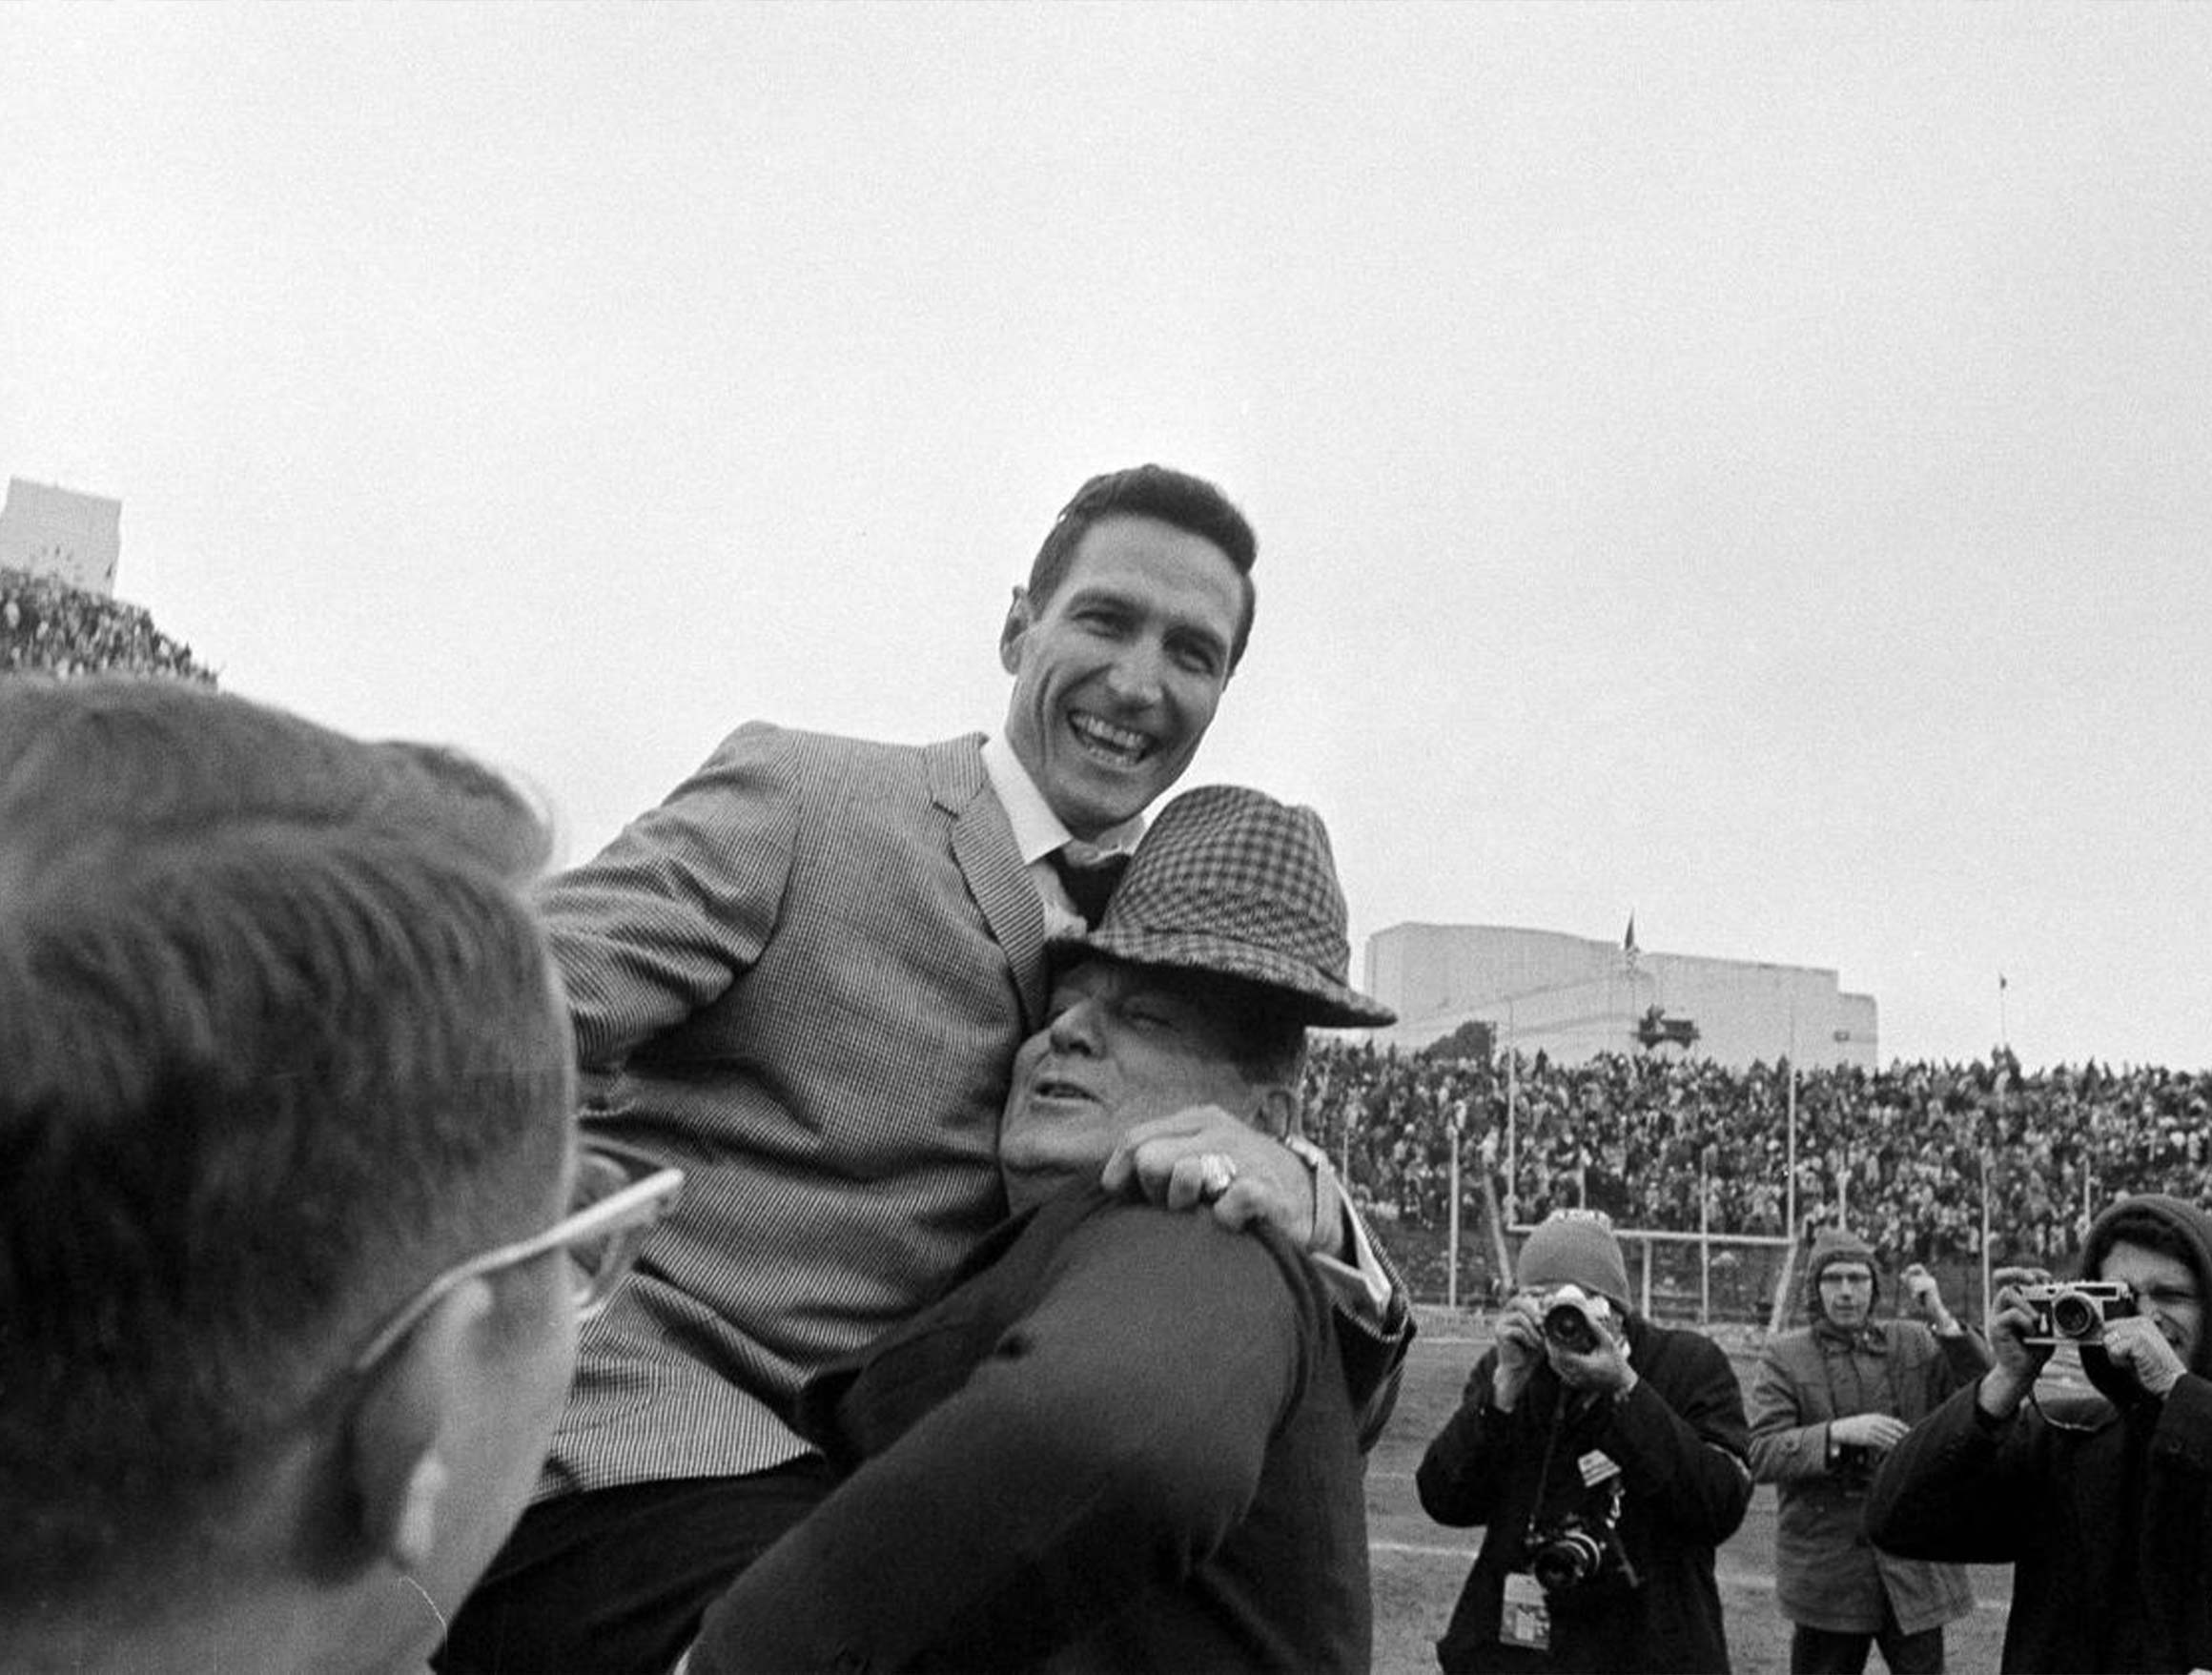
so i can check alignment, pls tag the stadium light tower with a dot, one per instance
(1513, 1083)
(1790, 1185)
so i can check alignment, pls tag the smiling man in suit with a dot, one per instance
(804, 977)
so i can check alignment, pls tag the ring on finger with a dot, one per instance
(1217, 1171)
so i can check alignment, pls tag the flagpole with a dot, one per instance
(2004, 1037)
(1987, 1275)
(1451, 1300)
(1790, 1184)
(1512, 1116)
(1790, 1192)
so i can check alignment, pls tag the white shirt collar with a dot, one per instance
(1037, 832)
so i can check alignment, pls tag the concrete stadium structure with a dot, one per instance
(58, 532)
(1576, 998)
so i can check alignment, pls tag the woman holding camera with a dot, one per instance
(1606, 1457)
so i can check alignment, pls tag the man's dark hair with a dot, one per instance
(1175, 498)
(280, 1041)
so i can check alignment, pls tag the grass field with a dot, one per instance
(1419, 1565)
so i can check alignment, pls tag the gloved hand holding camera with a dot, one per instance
(1573, 1331)
(1521, 1349)
(1585, 1341)
(2012, 1343)
(2122, 1344)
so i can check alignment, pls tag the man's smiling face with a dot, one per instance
(1117, 674)
(2165, 1289)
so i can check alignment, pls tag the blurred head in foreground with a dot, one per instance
(288, 1293)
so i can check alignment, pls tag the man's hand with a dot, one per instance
(1520, 1334)
(1880, 1432)
(2016, 1361)
(1924, 1296)
(1165, 1158)
(1604, 1368)
(2136, 1346)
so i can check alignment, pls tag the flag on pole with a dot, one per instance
(1629, 942)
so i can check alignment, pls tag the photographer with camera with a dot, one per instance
(1831, 1399)
(2106, 1516)
(1606, 1457)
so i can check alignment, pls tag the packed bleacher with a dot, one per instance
(49, 627)
(1642, 1137)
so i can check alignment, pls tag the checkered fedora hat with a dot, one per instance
(1229, 880)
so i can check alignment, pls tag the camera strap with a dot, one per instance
(1544, 1467)
(1524, 1608)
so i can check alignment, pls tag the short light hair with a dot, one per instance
(278, 1040)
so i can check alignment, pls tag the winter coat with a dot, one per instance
(1678, 1438)
(2108, 1522)
(1827, 1575)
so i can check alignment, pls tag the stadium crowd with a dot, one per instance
(1642, 1136)
(48, 626)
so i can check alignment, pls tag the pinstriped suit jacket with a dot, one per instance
(803, 977)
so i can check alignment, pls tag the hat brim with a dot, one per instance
(1314, 998)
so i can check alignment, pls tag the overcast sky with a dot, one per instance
(1746, 466)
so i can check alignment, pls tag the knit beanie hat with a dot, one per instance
(1575, 1247)
(2155, 1219)
(1832, 1245)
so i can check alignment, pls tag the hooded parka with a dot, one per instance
(2107, 1520)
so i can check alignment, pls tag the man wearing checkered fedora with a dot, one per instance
(1125, 1436)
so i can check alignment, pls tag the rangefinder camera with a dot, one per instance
(1575, 1321)
(2074, 1311)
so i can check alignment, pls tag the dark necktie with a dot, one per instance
(1089, 883)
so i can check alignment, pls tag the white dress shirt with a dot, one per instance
(1039, 834)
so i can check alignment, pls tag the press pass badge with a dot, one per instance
(1526, 1619)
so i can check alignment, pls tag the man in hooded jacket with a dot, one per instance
(1831, 1399)
(2107, 1517)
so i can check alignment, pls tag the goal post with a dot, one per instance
(1699, 1277)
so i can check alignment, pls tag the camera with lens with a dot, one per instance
(1575, 1321)
(1564, 1555)
(1574, 1552)
(2074, 1311)
(1854, 1464)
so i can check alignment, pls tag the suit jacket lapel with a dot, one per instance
(983, 845)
